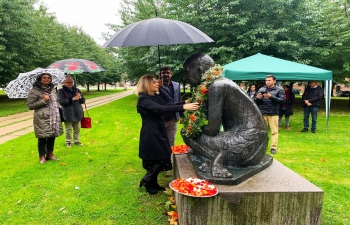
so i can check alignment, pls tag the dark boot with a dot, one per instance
(42, 159)
(156, 185)
(50, 156)
(149, 187)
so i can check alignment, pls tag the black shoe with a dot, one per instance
(313, 131)
(158, 187)
(305, 130)
(149, 187)
(273, 151)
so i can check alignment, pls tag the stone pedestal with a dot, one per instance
(276, 195)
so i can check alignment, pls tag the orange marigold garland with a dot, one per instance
(194, 120)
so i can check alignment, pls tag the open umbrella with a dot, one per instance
(76, 66)
(157, 31)
(20, 87)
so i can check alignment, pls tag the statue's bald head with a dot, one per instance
(194, 66)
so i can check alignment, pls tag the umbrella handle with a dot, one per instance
(159, 59)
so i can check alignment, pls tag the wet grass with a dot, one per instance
(12, 106)
(98, 182)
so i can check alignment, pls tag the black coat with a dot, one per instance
(314, 95)
(288, 105)
(154, 143)
(72, 109)
(271, 106)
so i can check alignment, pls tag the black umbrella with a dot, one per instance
(157, 31)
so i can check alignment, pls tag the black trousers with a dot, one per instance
(46, 145)
(151, 177)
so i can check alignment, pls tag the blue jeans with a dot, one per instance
(313, 111)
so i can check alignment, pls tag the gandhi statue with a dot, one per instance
(243, 141)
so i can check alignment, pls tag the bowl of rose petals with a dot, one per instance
(193, 187)
(179, 149)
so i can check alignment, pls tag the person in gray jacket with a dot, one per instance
(71, 99)
(47, 122)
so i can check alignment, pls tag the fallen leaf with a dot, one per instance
(323, 160)
(62, 208)
(168, 204)
(173, 214)
(172, 199)
(19, 201)
(62, 164)
(172, 221)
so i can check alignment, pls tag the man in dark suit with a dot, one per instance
(170, 92)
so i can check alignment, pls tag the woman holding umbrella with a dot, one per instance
(154, 147)
(47, 122)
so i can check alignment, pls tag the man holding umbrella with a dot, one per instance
(170, 92)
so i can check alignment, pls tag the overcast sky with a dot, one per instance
(90, 15)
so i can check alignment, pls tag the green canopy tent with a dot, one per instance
(258, 66)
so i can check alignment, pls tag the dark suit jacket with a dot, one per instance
(165, 94)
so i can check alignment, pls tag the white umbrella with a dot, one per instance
(20, 87)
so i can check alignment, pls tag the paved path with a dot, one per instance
(19, 124)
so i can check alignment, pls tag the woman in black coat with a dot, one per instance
(154, 147)
(286, 109)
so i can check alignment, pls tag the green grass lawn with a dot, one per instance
(13, 106)
(98, 182)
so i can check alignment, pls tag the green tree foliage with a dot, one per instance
(17, 38)
(31, 38)
(334, 26)
(285, 29)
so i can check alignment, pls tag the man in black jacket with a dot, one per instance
(170, 92)
(311, 102)
(268, 99)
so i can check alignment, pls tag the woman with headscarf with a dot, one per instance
(43, 100)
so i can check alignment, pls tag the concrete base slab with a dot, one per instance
(277, 195)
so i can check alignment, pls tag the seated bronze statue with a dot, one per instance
(243, 141)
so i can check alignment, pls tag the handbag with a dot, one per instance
(86, 121)
(62, 114)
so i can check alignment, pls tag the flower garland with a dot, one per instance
(194, 120)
